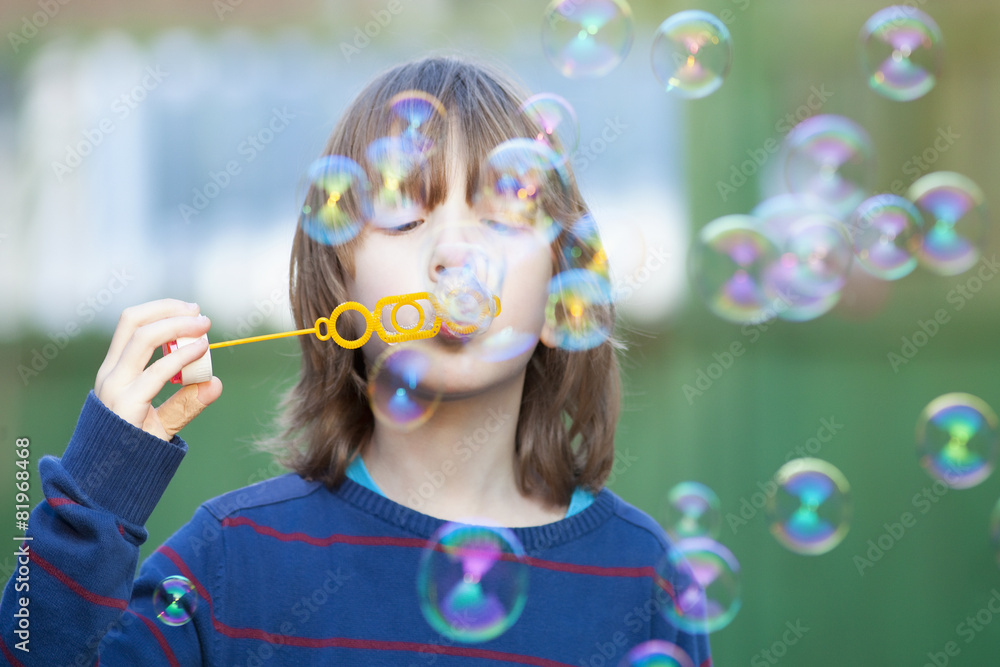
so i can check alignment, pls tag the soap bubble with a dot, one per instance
(418, 118)
(656, 653)
(692, 53)
(692, 510)
(397, 391)
(705, 577)
(954, 210)
(472, 581)
(957, 439)
(175, 600)
(886, 230)
(339, 201)
(398, 166)
(519, 184)
(587, 38)
(558, 127)
(829, 158)
(578, 309)
(901, 52)
(729, 265)
(810, 512)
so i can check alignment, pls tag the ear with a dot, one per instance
(548, 335)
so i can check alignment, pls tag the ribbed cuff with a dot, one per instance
(120, 467)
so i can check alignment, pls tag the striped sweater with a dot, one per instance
(290, 572)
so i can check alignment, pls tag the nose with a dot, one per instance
(458, 249)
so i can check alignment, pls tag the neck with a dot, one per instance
(460, 465)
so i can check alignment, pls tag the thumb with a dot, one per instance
(177, 411)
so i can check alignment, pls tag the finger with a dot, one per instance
(137, 316)
(147, 339)
(186, 404)
(148, 384)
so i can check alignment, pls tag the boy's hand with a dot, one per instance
(127, 387)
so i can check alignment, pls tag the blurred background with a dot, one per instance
(158, 149)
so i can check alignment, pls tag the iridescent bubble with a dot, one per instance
(583, 248)
(398, 168)
(957, 439)
(397, 392)
(692, 510)
(578, 309)
(175, 600)
(692, 53)
(810, 511)
(472, 581)
(418, 118)
(954, 209)
(886, 230)
(705, 577)
(507, 343)
(831, 159)
(556, 120)
(656, 653)
(729, 265)
(587, 38)
(520, 182)
(901, 52)
(995, 531)
(339, 200)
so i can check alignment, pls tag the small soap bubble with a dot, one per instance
(587, 38)
(705, 577)
(955, 218)
(578, 309)
(656, 653)
(957, 439)
(397, 186)
(810, 511)
(418, 118)
(583, 247)
(397, 391)
(339, 201)
(901, 52)
(829, 158)
(692, 53)
(729, 264)
(520, 182)
(887, 232)
(692, 510)
(815, 258)
(175, 600)
(558, 127)
(472, 581)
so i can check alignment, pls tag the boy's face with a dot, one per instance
(412, 251)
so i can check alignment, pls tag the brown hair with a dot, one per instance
(570, 402)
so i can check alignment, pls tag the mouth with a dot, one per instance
(449, 336)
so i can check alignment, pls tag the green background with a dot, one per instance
(773, 397)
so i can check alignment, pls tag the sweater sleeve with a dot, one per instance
(82, 554)
(676, 588)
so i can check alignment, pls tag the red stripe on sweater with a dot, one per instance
(160, 639)
(10, 656)
(90, 597)
(56, 502)
(418, 543)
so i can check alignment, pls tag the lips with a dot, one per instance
(450, 336)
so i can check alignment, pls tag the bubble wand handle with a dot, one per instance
(254, 339)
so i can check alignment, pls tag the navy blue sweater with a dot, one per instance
(290, 572)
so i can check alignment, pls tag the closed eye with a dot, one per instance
(403, 227)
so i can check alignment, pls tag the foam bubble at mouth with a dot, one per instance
(465, 304)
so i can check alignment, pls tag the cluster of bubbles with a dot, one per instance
(790, 257)
(175, 600)
(472, 581)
